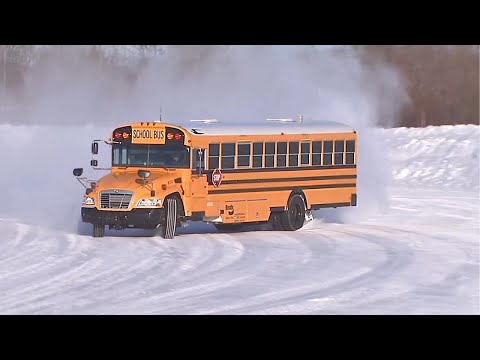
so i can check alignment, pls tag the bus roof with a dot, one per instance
(314, 127)
(266, 128)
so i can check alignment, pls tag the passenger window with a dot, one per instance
(293, 154)
(243, 159)
(327, 152)
(350, 154)
(316, 153)
(339, 149)
(213, 156)
(257, 155)
(281, 154)
(269, 154)
(228, 156)
(305, 153)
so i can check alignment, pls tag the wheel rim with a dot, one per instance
(296, 215)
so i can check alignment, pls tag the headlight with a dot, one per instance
(149, 202)
(88, 201)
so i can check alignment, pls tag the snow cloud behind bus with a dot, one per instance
(72, 104)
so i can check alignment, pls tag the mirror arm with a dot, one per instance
(80, 181)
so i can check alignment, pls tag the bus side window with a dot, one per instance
(327, 152)
(243, 159)
(213, 156)
(293, 153)
(350, 154)
(228, 156)
(257, 155)
(281, 154)
(269, 154)
(339, 150)
(305, 153)
(317, 153)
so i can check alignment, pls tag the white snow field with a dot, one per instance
(417, 254)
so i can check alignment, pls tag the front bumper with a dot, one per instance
(143, 218)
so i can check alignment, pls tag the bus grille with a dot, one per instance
(115, 200)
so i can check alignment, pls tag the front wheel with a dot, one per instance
(294, 218)
(168, 229)
(98, 230)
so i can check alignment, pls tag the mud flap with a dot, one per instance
(308, 216)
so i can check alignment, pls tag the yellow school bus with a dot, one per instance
(163, 175)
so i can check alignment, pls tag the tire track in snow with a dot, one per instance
(83, 283)
(358, 277)
(213, 281)
(457, 267)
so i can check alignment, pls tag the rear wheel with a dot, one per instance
(98, 230)
(168, 229)
(294, 218)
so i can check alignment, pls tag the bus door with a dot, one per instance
(198, 186)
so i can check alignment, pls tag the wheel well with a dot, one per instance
(298, 191)
(181, 209)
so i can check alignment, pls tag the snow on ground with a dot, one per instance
(419, 256)
(446, 156)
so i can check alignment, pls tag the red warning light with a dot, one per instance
(178, 136)
(117, 135)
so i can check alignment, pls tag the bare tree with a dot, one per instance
(442, 81)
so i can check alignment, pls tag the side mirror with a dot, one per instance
(94, 162)
(77, 172)
(143, 174)
(94, 148)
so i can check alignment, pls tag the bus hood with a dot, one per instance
(130, 181)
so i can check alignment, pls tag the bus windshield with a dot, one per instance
(170, 156)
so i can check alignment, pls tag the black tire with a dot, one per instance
(294, 218)
(168, 229)
(180, 212)
(98, 230)
(276, 221)
(228, 227)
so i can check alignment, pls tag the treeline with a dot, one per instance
(20, 62)
(442, 82)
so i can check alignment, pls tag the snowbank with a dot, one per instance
(445, 156)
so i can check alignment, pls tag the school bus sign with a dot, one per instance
(154, 135)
